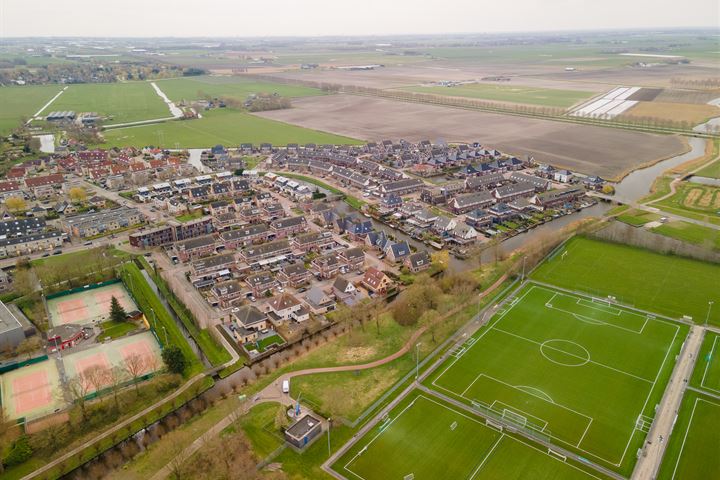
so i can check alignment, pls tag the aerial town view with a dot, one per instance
(360, 240)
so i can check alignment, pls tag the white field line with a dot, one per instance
(707, 366)
(486, 457)
(687, 431)
(575, 356)
(46, 105)
(593, 305)
(387, 427)
(515, 410)
(654, 383)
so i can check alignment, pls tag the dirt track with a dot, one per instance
(600, 151)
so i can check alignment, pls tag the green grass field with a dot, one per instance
(666, 284)
(505, 93)
(692, 451)
(23, 102)
(557, 365)
(423, 438)
(690, 233)
(638, 218)
(712, 170)
(193, 88)
(225, 126)
(706, 374)
(695, 201)
(125, 102)
(114, 330)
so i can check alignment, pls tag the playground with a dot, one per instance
(134, 356)
(87, 306)
(31, 391)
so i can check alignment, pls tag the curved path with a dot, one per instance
(273, 392)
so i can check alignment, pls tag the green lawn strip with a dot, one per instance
(691, 233)
(213, 350)
(665, 284)
(711, 171)
(267, 342)
(502, 93)
(638, 218)
(224, 126)
(148, 302)
(114, 330)
(613, 211)
(189, 216)
(691, 453)
(706, 374)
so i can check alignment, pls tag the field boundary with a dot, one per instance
(687, 431)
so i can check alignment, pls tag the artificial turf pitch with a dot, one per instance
(692, 452)
(582, 373)
(665, 284)
(424, 438)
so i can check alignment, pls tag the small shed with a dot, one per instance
(300, 433)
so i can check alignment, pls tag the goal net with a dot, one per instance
(513, 417)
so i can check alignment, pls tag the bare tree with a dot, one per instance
(78, 388)
(97, 377)
(136, 367)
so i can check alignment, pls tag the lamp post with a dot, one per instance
(329, 423)
(707, 318)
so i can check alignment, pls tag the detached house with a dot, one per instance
(319, 302)
(226, 293)
(396, 252)
(286, 307)
(376, 281)
(417, 262)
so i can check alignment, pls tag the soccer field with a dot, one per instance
(424, 438)
(580, 372)
(692, 453)
(666, 284)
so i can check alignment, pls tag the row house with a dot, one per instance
(510, 192)
(265, 251)
(540, 184)
(98, 223)
(289, 226)
(327, 266)
(557, 198)
(353, 258)
(227, 293)
(261, 283)
(209, 266)
(10, 189)
(241, 237)
(28, 244)
(471, 201)
(313, 241)
(195, 248)
(225, 221)
(294, 275)
(251, 214)
(401, 187)
(350, 177)
(485, 182)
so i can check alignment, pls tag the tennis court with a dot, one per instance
(31, 391)
(88, 306)
(142, 349)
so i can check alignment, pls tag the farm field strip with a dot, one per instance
(551, 408)
(481, 452)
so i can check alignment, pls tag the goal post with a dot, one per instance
(558, 455)
(513, 417)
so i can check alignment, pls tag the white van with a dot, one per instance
(286, 386)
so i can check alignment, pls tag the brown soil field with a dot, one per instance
(656, 76)
(687, 96)
(680, 112)
(607, 152)
(423, 72)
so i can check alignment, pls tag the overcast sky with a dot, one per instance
(135, 18)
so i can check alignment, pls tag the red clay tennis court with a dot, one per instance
(31, 391)
(89, 305)
(114, 354)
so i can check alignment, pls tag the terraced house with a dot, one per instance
(99, 223)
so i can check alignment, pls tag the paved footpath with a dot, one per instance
(651, 457)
